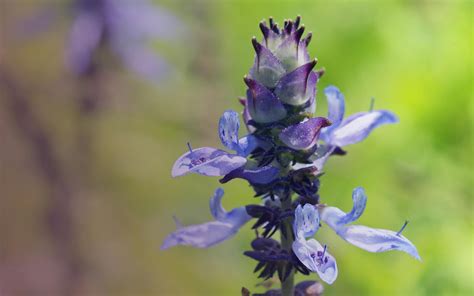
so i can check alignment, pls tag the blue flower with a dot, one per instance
(369, 239)
(205, 235)
(317, 259)
(306, 221)
(351, 130)
(210, 161)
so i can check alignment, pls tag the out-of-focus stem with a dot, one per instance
(59, 215)
(287, 286)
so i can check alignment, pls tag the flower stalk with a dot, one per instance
(282, 158)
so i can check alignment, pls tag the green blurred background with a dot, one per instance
(414, 57)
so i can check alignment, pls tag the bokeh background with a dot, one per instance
(86, 195)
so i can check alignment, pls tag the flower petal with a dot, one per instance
(207, 161)
(369, 239)
(288, 53)
(200, 236)
(262, 104)
(267, 69)
(377, 240)
(247, 144)
(306, 222)
(210, 233)
(360, 200)
(262, 175)
(229, 130)
(303, 135)
(316, 258)
(357, 127)
(336, 105)
(215, 204)
(236, 217)
(298, 86)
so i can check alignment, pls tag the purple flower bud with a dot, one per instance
(263, 105)
(303, 135)
(298, 86)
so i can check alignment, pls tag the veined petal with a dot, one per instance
(262, 175)
(303, 135)
(377, 240)
(229, 130)
(262, 104)
(207, 161)
(357, 127)
(316, 258)
(298, 86)
(267, 69)
(306, 222)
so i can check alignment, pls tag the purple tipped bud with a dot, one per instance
(297, 21)
(263, 105)
(298, 86)
(307, 39)
(265, 30)
(304, 135)
(267, 69)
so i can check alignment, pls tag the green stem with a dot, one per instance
(287, 286)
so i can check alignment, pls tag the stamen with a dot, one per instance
(190, 148)
(324, 251)
(372, 103)
(403, 227)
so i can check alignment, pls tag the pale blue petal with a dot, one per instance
(306, 222)
(207, 161)
(336, 105)
(357, 127)
(377, 240)
(360, 200)
(369, 239)
(236, 217)
(229, 130)
(215, 204)
(210, 233)
(200, 236)
(247, 144)
(322, 155)
(309, 253)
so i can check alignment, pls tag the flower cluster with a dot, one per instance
(282, 158)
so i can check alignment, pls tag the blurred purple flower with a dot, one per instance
(124, 27)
